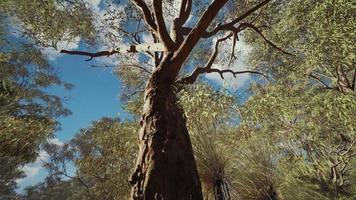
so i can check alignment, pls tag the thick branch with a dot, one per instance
(147, 15)
(162, 30)
(185, 9)
(228, 26)
(146, 47)
(198, 31)
(91, 55)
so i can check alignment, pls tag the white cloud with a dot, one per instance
(43, 156)
(53, 54)
(55, 141)
(176, 5)
(30, 171)
(94, 4)
(147, 38)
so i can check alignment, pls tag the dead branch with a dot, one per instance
(90, 55)
(147, 47)
(234, 73)
(200, 70)
(318, 79)
(207, 68)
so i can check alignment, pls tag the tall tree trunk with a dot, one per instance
(165, 168)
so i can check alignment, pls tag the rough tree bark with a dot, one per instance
(165, 168)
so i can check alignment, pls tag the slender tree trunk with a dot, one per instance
(165, 168)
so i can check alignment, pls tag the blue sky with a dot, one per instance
(96, 92)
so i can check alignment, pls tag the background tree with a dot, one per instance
(165, 167)
(52, 188)
(307, 109)
(101, 155)
(27, 112)
(296, 134)
(96, 161)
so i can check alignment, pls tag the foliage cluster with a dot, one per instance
(293, 139)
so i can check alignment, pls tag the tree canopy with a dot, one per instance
(292, 138)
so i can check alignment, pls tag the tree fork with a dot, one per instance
(165, 167)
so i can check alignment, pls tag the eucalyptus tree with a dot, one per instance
(103, 154)
(27, 111)
(95, 162)
(165, 167)
(308, 108)
(51, 188)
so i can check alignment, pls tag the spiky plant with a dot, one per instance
(212, 164)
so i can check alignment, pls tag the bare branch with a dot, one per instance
(234, 73)
(191, 79)
(318, 79)
(254, 28)
(91, 55)
(216, 50)
(354, 81)
(147, 47)
(207, 68)
(201, 70)
(235, 32)
(147, 15)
